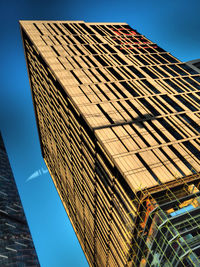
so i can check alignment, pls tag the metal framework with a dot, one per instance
(119, 125)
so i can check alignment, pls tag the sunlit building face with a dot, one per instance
(119, 126)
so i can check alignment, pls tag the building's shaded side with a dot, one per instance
(119, 127)
(16, 245)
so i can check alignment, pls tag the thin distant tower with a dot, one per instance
(119, 126)
(16, 245)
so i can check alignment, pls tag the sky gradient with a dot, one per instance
(173, 25)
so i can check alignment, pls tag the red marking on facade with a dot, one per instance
(125, 48)
(124, 40)
(117, 32)
(121, 29)
(133, 32)
(140, 47)
(150, 205)
(128, 34)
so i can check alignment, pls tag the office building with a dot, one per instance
(16, 244)
(194, 64)
(119, 126)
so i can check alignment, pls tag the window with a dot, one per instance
(115, 73)
(169, 58)
(188, 69)
(191, 122)
(181, 157)
(98, 30)
(168, 70)
(96, 39)
(192, 82)
(129, 88)
(103, 75)
(170, 129)
(149, 72)
(119, 59)
(149, 106)
(70, 29)
(100, 60)
(150, 86)
(91, 61)
(106, 29)
(159, 58)
(177, 69)
(141, 59)
(173, 85)
(193, 150)
(157, 48)
(197, 100)
(172, 103)
(109, 48)
(90, 49)
(79, 39)
(164, 74)
(186, 103)
(136, 72)
(86, 28)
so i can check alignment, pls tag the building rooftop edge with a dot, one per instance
(72, 21)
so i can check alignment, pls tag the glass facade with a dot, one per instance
(171, 233)
(16, 245)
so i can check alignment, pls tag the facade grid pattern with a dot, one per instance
(16, 245)
(119, 125)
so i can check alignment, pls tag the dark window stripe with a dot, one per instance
(148, 168)
(170, 129)
(105, 114)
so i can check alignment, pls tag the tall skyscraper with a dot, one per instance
(119, 126)
(195, 64)
(16, 245)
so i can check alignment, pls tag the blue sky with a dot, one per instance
(174, 25)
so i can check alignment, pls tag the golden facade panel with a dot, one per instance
(119, 125)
